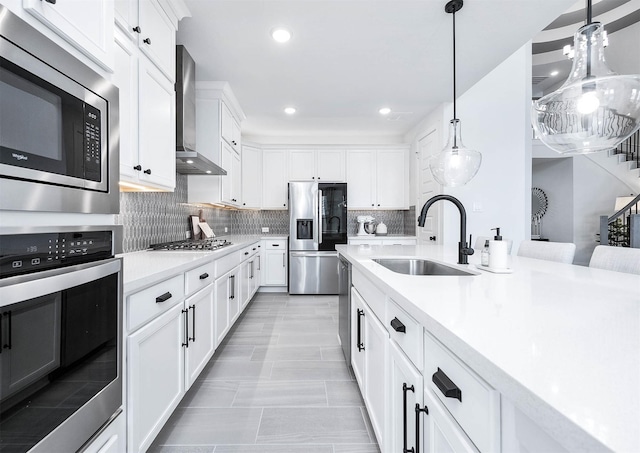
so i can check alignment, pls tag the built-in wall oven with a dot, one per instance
(60, 337)
(58, 127)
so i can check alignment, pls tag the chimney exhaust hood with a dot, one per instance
(188, 160)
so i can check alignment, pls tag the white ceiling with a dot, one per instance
(348, 58)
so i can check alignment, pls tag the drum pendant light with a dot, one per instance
(595, 109)
(456, 164)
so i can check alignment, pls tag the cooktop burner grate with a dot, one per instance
(199, 245)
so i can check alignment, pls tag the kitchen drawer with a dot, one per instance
(145, 305)
(410, 341)
(371, 294)
(199, 278)
(226, 263)
(478, 409)
(249, 251)
(276, 244)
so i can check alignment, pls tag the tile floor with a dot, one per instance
(277, 384)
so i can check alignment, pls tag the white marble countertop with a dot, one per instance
(560, 341)
(147, 267)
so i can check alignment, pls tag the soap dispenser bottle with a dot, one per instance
(498, 253)
(484, 255)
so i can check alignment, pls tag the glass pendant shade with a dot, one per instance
(595, 109)
(456, 165)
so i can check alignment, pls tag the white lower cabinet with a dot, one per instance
(200, 333)
(370, 363)
(224, 292)
(155, 376)
(439, 431)
(404, 392)
(275, 262)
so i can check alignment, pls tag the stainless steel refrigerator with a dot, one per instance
(317, 222)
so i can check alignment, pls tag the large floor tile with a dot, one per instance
(210, 426)
(210, 393)
(310, 339)
(317, 425)
(313, 370)
(281, 394)
(237, 370)
(274, 449)
(182, 449)
(355, 448)
(234, 352)
(343, 393)
(278, 352)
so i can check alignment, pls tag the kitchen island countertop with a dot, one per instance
(560, 341)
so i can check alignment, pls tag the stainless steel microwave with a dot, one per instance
(58, 127)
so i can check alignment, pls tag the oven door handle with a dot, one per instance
(20, 288)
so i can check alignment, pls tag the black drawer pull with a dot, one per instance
(446, 385)
(275, 245)
(204, 276)
(398, 326)
(165, 297)
(246, 253)
(359, 339)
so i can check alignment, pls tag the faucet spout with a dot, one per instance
(464, 249)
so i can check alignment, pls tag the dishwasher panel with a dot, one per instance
(313, 273)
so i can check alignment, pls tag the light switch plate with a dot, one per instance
(265, 229)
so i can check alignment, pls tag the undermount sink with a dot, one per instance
(413, 266)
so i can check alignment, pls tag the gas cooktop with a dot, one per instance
(195, 245)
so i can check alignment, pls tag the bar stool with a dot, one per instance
(619, 259)
(561, 252)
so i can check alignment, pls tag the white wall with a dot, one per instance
(495, 120)
(595, 193)
(555, 178)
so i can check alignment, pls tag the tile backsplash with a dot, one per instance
(155, 217)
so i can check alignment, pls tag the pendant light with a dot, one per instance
(595, 109)
(456, 164)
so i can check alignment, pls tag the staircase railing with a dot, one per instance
(630, 148)
(622, 229)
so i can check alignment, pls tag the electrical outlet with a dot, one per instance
(226, 230)
(187, 234)
(265, 229)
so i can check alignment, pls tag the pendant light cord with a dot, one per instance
(455, 117)
(589, 33)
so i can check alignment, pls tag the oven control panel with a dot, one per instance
(26, 253)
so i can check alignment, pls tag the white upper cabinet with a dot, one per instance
(230, 129)
(378, 179)
(87, 25)
(317, 164)
(274, 179)
(251, 177)
(152, 25)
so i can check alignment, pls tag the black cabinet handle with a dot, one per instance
(204, 276)
(138, 168)
(398, 326)
(275, 245)
(53, 2)
(432, 238)
(246, 253)
(147, 171)
(137, 29)
(186, 327)
(8, 344)
(233, 286)
(254, 249)
(405, 389)
(147, 41)
(165, 297)
(418, 409)
(446, 385)
(193, 322)
(360, 343)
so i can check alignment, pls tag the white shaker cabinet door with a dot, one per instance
(331, 165)
(251, 177)
(156, 376)
(360, 179)
(302, 165)
(222, 295)
(157, 128)
(201, 333)
(125, 77)
(405, 391)
(391, 179)
(87, 25)
(274, 179)
(157, 37)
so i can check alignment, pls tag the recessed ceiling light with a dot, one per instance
(554, 73)
(208, 172)
(289, 110)
(189, 161)
(281, 34)
(384, 111)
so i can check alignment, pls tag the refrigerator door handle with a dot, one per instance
(314, 254)
(319, 216)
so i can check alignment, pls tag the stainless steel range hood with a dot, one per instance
(188, 160)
